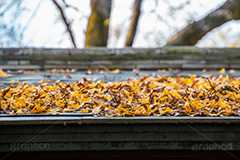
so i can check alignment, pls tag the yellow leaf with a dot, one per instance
(62, 85)
(49, 99)
(100, 82)
(166, 91)
(220, 78)
(195, 104)
(222, 103)
(227, 77)
(106, 22)
(175, 94)
(127, 93)
(161, 70)
(161, 111)
(201, 94)
(41, 81)
(75, 106)
(234, 45)
(75, 94)
(232, 71)
(109, 97)
(193, 77)
(38, 109)
(84, 111)
(228, 111)
(222, 70)
(212, 104)
(168, 110)
(3, 74)
(116, 71)
(8, 95)
(189, 82)
(187, 107)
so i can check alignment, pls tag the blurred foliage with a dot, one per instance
(10, 11)
(159, 20)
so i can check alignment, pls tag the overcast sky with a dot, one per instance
(157, 23)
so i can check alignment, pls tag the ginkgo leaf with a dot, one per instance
(3, 74)
(168, 110)
(159, 96)
(222, 70)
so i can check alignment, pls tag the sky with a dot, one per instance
(158, 21)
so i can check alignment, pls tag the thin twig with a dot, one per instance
(211, 85)
(31, 18)
(68, 25)
(226, 88)
(65, 3)
(69, 6)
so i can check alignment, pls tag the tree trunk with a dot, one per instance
(190, 35)
(134, 22)
(98, 22)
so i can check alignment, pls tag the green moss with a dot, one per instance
(236, 12)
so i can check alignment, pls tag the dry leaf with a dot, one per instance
(3, 74)
(158, 96)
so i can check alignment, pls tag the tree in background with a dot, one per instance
(98, 23)
(97, 30)
(136, 11)
(193, 32)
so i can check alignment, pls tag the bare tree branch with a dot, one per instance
(190, 35)
(30, 19)
(67, 24)
(134, 22)
(70, 6)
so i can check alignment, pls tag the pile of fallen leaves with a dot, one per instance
(157, 96)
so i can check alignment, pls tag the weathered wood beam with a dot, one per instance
(126, 58)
